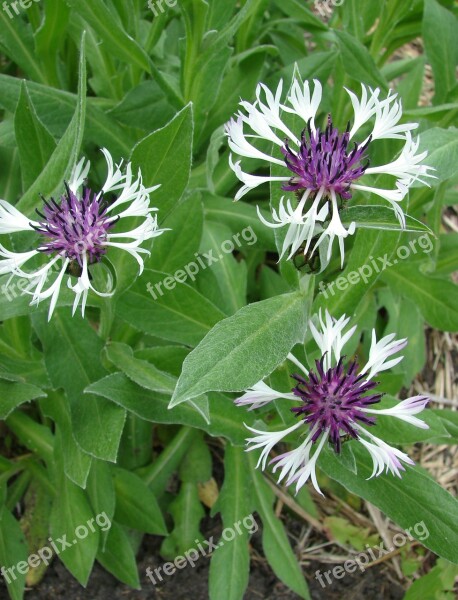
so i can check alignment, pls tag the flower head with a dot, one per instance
(77, 231)
(322, 166)
(335, 402)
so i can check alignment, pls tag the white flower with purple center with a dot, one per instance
(77, 231)
(322, 166)
(336, 403)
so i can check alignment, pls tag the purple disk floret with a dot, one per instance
(75, 227)
(324, 161)
(333, 401)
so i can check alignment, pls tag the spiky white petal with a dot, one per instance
(12, 220)
(261, 394)
(405, 411)
(380, 351)
(267, 440)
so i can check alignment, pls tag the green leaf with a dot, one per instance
(118, 557)
(230, 274)
(141, 372)
(14, 394)
(406, 321)
(65, 156)
(101, 494)
(274, 539)
(230, 564)
(437, 583)
(413, 499)
(241, 218)
(369, 244)
(76, 462)
(380, 217)
(225, 418)
(136, 505)
(164, 158)
(55, 109)
(17, 41)
(157, 474)
(439, 34)
(357, 61)
(187, 512)
(437, 299)
(113, 36)
(164, 307)
(241, 350)
(72, 349)
(175, 249)
(71, 509)
(442, 147)
(13, 550)
(35, 143)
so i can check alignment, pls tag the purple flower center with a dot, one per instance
(76, 227)
(333, 401)
(324, 161)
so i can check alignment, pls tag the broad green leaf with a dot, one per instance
(437, 299)
(162, 306)
(76, 462)
(414, 498)
(118, 557)
(136, 505)
(17, 41)
(442, 147)
(72, 349)
(50, 36)
(112, 34)
(55, 108)
(230, 564)
(437, 583)
(439, 34)
(226, 419)
(35, 143)
(360, 273)
(143, 107)
(141, 372)
(357, 61)
(157, 474)
(175, 249)
(101, 494)
(13, 551)
(242, 218)
(230, 274)
(71, 511)
(187, 512)
(34, 436)
(65, 156)
(380, 217)
(164, 158)
(14, 394)
(406, 321)
(274, 539)
(244, 348)
(447, 258)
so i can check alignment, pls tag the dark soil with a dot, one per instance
(192, 583)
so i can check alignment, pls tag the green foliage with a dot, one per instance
(122, 413)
